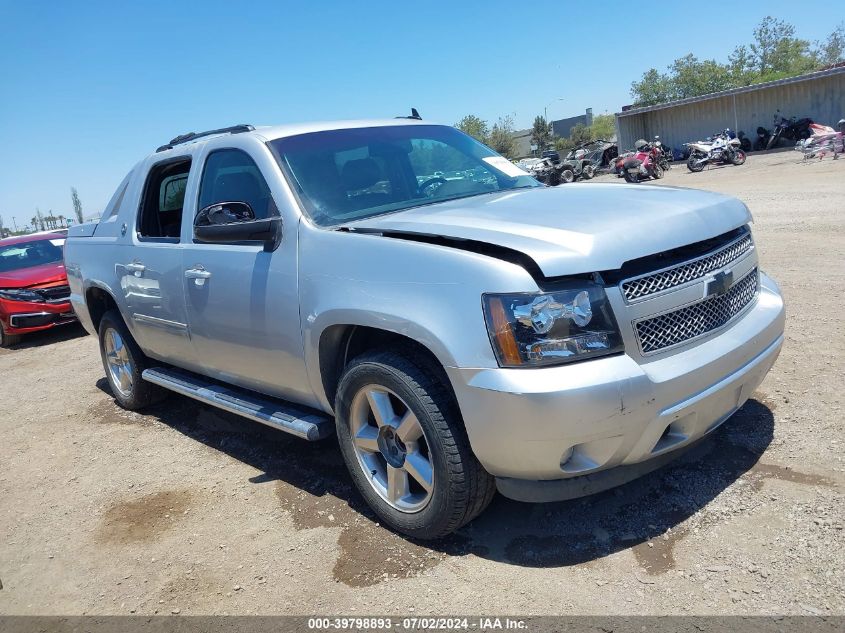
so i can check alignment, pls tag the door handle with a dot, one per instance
(136, 268)
(198, 274)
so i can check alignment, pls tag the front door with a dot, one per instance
(242, 302)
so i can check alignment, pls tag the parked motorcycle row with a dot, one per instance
(651, 159)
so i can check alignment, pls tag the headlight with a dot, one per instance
(18, 294)
(551, 328)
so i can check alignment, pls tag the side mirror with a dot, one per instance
(228, 222)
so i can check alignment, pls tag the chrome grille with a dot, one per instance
(652, 283)
(694, 320)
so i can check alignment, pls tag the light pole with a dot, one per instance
(546, 107)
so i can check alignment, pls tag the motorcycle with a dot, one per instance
(664, 154)
(762, 140)
(792, 129)
(644, 164)
(823, 140)
(720, 148)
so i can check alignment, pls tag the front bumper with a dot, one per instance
(551, 433)
(23, 317)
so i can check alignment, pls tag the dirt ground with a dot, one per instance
(189, 510)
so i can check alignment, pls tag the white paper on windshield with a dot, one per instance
(505, 166)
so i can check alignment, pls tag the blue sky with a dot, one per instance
(89, 88)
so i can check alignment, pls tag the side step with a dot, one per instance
(309, 425)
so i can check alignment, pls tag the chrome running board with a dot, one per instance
(309, 425)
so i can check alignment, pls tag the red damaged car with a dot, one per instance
(34, 294)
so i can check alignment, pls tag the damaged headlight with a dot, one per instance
(551, 328)
(19, 294)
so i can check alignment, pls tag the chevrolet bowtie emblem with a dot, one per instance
(721, 283)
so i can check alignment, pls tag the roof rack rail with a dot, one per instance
(190, 136)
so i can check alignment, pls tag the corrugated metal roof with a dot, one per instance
(735, 91)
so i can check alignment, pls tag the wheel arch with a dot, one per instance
(98, 301)
(340, 343)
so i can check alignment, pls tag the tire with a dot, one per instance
(738, 157)
(117, 347)
(8, 340)
(773, 140)
(632, 178)
(658, 172)
(567, 175)
(459, 488)
(694, 165)
(588, 172)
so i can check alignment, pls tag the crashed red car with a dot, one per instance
(34, 293)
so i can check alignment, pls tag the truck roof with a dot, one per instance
(273, 132)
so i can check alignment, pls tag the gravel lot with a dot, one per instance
(189, 510)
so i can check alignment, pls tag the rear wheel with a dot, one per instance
(8, 340)
(403, 441)
(695, 163)
(124, 361)
(632, 178)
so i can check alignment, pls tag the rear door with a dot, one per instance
(150, 268)
(242, 302)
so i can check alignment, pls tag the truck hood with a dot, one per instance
(33, 276)
(574, 229)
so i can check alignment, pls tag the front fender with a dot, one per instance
(426, 292)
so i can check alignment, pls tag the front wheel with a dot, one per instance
(404, 443)
(773, 140)
(567, 175)
(738, 157)
(657, 172)
(588, 172)
(8, 340)
(124, 361)
(632, 178)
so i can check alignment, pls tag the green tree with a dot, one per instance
(541, 133)
(604, 127)
(77, 204)
(579, 134)
(501, 137)
(777, 53)
(654, 87)
(475, 126)
(832, 50)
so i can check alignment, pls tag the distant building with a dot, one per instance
(564, 127)
(819, 95)
(560, 129)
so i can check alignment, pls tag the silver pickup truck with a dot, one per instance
(459, 326)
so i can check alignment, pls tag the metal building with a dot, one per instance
(819, 95)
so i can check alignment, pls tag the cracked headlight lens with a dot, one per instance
(19, 294)
(551, 328)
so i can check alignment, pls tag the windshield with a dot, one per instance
(352, 174)
(29, 254)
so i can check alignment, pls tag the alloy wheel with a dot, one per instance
(391, 448)
(119, 362)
